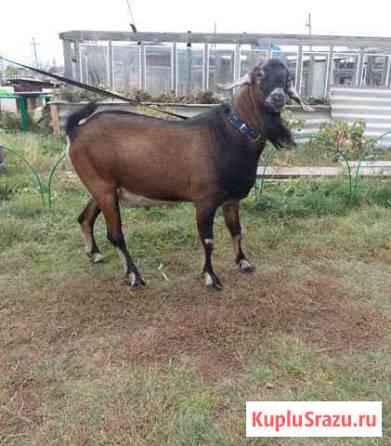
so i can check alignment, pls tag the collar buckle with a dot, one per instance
(243, 128)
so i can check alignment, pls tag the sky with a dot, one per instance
(21, 20)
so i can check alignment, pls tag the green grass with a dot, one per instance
(313, 153)
(85, 360)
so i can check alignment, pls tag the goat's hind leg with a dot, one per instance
(87, 220)
(108, 203)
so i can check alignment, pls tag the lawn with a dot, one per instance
(84, 360)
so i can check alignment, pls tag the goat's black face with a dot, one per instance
(273, 79)
(274, 83)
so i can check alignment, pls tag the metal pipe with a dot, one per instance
(78, 72)
(205, 66)
(299, 69)
(360, 69)
(189, 67)
(110, 72)
(67, 49)
(174, 86)
(387, 79)
(142, 61)
(329, 71)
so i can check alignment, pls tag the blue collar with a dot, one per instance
(244, 129)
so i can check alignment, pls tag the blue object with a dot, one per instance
(247, 131)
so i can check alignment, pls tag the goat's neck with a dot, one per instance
(248, 105)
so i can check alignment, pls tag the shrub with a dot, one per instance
(341, 138)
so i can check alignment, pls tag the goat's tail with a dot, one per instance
(74, 119)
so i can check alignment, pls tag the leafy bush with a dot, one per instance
(341, 138)
(292, 123)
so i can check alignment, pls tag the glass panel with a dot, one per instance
(249, 58)
(126, 66)
(221, 68)
(197, 61)
(344, 69)
(93, 59)
(182, 69)
(314, 75)
(375, 70)
(158, 69)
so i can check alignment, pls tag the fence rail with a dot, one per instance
(379, 169)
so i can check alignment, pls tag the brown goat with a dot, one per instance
(210, 160)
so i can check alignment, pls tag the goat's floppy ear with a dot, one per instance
(257, 74)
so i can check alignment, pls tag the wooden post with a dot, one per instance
(24, 117)
(55, 120)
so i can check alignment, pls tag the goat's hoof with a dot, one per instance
(135, 281)
(95, 257)
(212, 281)
(245, 266)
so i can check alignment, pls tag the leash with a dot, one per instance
(93, 89)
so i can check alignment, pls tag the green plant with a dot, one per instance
(45, 190)
(9, 121)
(339, 136)
(266, 159)
(7, 191)
(346, 142)
(293, 123)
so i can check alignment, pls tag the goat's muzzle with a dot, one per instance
(276, 100)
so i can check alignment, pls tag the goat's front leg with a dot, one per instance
(232, 221)
(205, 216)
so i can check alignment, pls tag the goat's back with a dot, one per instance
(147, 156)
